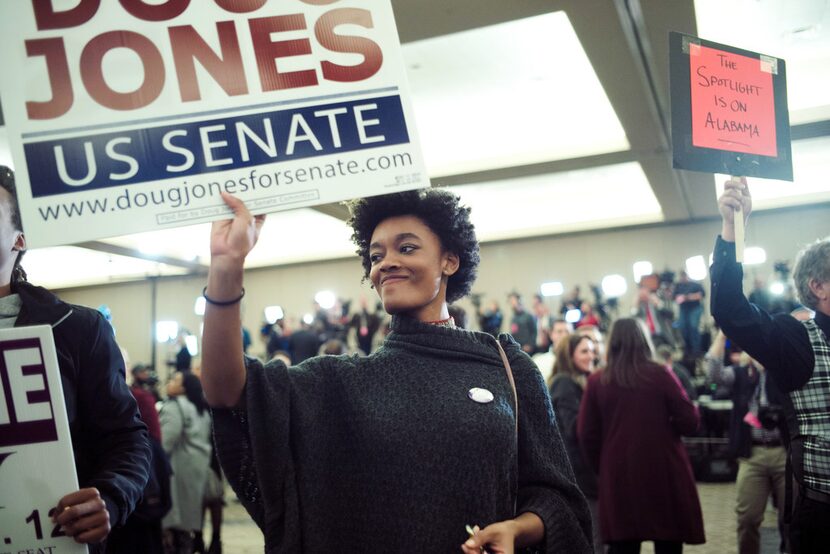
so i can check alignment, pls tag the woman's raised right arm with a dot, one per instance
(223, 366)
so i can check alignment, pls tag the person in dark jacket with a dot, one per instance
(574, 363)
(630, 422)
(108, 438)
(796, 355)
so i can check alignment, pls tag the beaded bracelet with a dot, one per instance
(209, 300)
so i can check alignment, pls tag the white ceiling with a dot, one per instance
(540, 104)
(499, 100)
(795, 31)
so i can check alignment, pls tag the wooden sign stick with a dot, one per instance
(739, 231)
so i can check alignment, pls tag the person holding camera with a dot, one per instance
(755, 427)
(796, 355)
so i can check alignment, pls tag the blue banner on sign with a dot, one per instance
(88, 162)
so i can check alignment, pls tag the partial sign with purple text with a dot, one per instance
(37, 467)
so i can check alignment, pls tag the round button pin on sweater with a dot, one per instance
(482, 396)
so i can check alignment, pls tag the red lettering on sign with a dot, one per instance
(54, 52)
(47, 18)
(227, 70)
(155, 12)
(372, 54)
(92, 72)
(268, 51)
(733, 102)
(240, 6)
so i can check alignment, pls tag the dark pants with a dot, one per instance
(810, 527)
(689, 323)
(136, 537)
(633, 547)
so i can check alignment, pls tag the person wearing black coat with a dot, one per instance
(109, 440)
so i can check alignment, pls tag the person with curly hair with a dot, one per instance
(404, 449)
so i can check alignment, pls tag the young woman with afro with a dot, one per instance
(399, 451)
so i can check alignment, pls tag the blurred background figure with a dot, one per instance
(541, 312)
(596, 335)
(333, 347)
(142, 532)
(630, 421)
(689, 295)
(366, 325)
(589, 318)
(756, 427)
(183, 357)
(459, 315)
(575, 357)
(760, 296)
(522, 324)
(489, 318)
(186, 437)
(666, 356)
(560, 329)
(303, 343)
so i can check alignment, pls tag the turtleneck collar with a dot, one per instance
(448, 341)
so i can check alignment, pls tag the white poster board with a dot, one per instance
(37, 467)
(128, 116)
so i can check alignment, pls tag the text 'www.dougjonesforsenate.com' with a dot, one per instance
(180, 197)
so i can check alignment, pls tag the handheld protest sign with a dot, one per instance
(729, 110)
(729, 113)
(37, 467)
(134, 116)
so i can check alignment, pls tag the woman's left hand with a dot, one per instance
(498, 538)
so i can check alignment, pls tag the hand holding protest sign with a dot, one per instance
(735, 205)
(135, 116)
(37, 467)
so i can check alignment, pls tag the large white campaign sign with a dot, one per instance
(37, 468)
(134, 115)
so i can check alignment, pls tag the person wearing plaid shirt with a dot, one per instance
(797, 356)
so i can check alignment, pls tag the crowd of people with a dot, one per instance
(362, 433)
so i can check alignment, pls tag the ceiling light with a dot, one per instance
(167, 331)
(308, 319)
(614, 286)
(573, 316)
(641, 269)
(192, 345)
(273, 314)
(552, 288)
(777, 288)
(754, 255)
(326, 299)
(199, 307)
(696, 268)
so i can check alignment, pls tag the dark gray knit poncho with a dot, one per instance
(389, 454)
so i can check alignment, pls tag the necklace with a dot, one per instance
(449, 322)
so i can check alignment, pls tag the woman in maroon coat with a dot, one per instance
(629, 427)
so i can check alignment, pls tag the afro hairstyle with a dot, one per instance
(441, 211)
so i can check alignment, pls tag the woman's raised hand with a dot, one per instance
(232, 239)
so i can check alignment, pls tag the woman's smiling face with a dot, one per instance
(409, 268)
